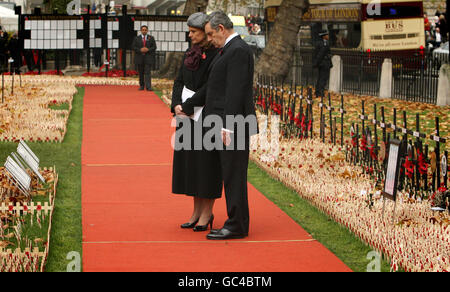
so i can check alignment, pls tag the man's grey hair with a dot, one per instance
(219, 17)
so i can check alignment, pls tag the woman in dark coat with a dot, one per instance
(196, 172)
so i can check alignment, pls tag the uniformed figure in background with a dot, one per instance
(323, 63)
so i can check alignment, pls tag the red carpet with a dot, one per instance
(131, 220)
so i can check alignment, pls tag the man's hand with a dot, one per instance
(179, 111)
(226, 138)
(144, 50)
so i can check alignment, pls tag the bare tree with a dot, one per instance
(231, 5)
(277, 57)
(173, 59)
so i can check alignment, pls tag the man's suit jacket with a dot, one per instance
(229, 91)
(323, 58)
(138, 44)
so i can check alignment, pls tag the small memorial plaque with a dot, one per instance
(444, 166)
(25, 146)
(390, 185)
(30, 158)
(19, 175)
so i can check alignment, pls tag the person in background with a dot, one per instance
(429, 40)
(3, 49)
(443, 28)
(97, 57)
(427, 23)
(15, 52)
(437, 38)
(144, 47)
(323, 63)
(256, 29)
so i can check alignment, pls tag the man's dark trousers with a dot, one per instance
(324, 75)
(145, 78)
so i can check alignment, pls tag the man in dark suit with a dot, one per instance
(229, 98)
(144, 47)
(323, 63)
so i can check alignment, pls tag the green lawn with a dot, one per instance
(66, 234)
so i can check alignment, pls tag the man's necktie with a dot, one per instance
(143, 39)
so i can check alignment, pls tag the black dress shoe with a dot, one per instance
(189, 225)
(205, 227)
(223, 234)
(150, 89)
(141, 88)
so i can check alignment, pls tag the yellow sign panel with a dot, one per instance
(343, 13)
(394, 34)
(271, 14)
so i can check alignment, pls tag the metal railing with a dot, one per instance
(414, 76)
(361, 73)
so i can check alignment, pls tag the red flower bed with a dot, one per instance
(51, 72)
(111, 73)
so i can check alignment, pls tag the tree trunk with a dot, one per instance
(193, 6)
(277, 58)
(173, 59)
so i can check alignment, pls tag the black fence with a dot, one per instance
(361, 72)
(417, 78)
(303, 72)
(415, 75)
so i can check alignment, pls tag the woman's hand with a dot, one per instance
(226, 137)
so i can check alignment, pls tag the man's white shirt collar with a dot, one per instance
(230, 38)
